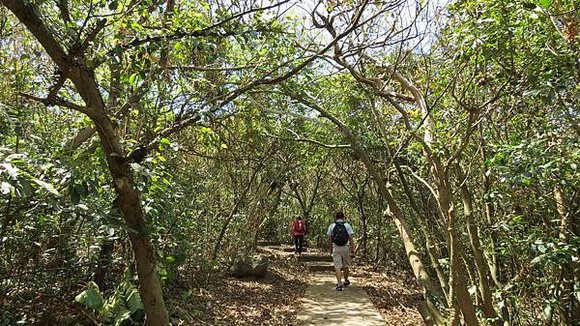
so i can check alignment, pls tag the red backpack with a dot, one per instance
(300, 227)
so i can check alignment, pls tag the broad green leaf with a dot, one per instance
(526, 181)
(544, 3)
(91, 297)
(134, 301)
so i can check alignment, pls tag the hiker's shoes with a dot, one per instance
(339, 287)
(346, 283)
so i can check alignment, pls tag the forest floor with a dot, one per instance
(276, 298)
(224, 300)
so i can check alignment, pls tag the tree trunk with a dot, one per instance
(458, 286)
(363, 219)
(489, 212)
(434, 257)
(128, 199)
(457, 268)
(480, 263)
(567, 311)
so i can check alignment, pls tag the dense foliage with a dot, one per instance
(145, 143)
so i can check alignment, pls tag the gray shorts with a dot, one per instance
(341, 256)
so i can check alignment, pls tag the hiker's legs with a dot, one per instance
(300, 243)
(338, 256)
(337, 272)
(295, 243)
(346, 263)
(345, 271)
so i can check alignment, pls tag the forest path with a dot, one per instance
(321, 304)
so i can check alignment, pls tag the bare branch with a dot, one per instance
(307, 140)
(295, 70)
(57, 86)
(197, 68)
(92, 35)
(465, 139)
(423, 181)
(84, 135)
(64, 11)
(57, 101)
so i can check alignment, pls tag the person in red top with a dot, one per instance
(298, 230)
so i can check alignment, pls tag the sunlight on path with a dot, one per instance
(323, 305)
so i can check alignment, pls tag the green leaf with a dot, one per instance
(132, 79)
(548, 310)
(24, 188)
(46, 186)
(526, 181)
(121, 316)
(6, 188)
(542, 248)
(134, 301)
(91, 297)
(113, 5)
(544, 3)
(164, 141)
(538, 259)
(11, 169)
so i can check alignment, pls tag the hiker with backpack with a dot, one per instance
(298, 231)
(340, 239)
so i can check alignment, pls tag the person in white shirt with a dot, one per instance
(340, 239)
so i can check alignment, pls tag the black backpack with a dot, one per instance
(339, 234)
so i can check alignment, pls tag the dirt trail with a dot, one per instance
(323, 305)
(377, 296)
